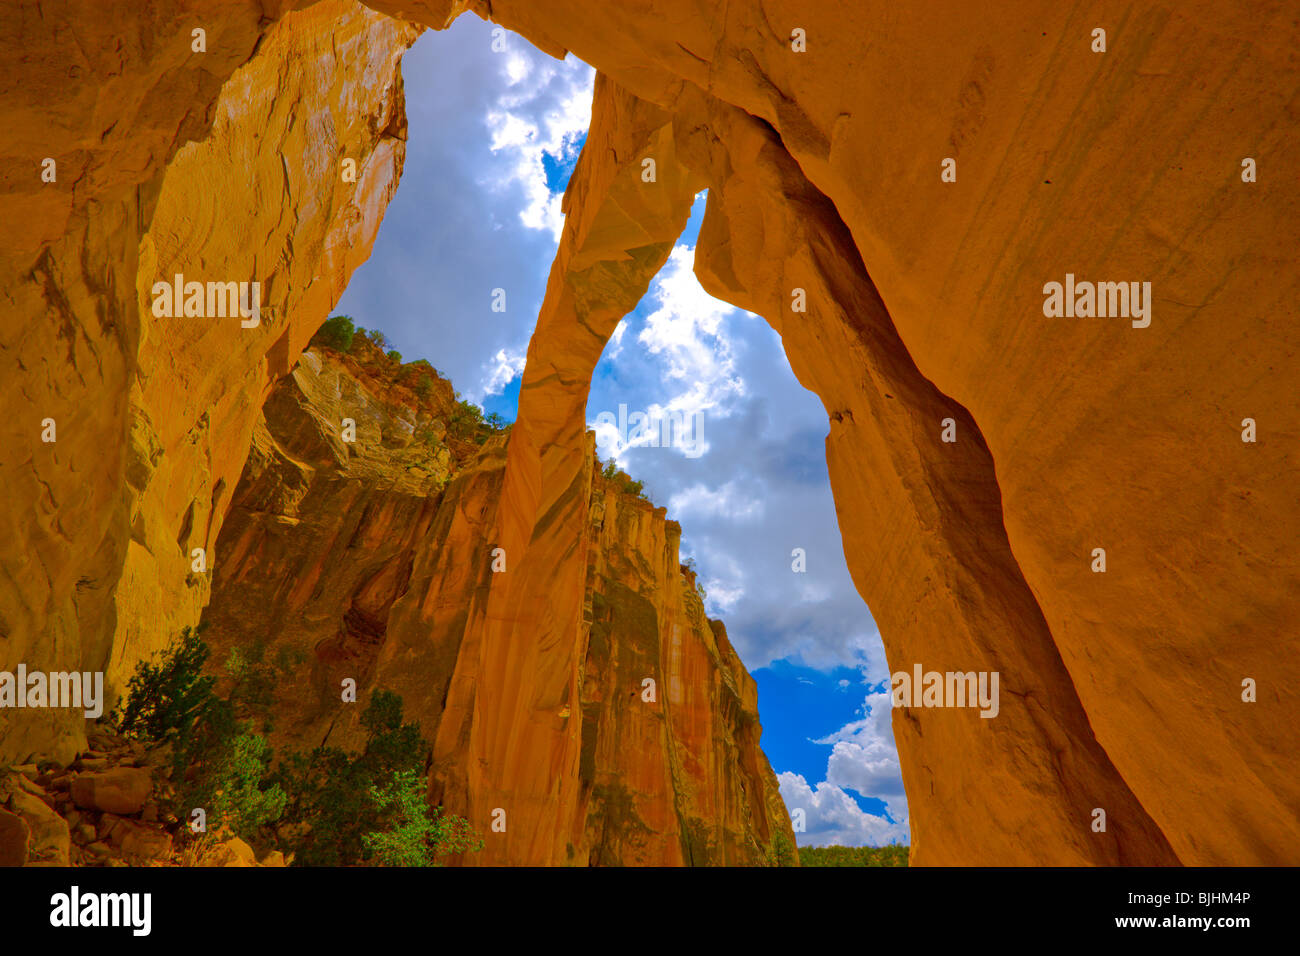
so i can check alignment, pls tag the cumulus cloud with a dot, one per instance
(688, 338)
(545, 110)
(864, 757)
(502, 369)
(730, 499)
(687, 333)
(479, 208)
(476, 209)
(833, 817)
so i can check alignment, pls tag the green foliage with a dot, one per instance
(374, 336)
(424, 387)
(781, 852)
(164, 700)
(253, 680)
(336, 333)
(412, 833)
(395, 356)
(369, 808)
(328, 806)
(468, 423)
(622, 482)
(892, 855)
(239, 802)
(466, 420)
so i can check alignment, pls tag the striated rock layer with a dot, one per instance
(372, 560)
(1121, 691)
(220, 166)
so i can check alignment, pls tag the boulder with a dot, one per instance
(122, 790)
(50, 840)
(232, 852)
(15, 837)
(142, 842)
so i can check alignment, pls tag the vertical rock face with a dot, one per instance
(686, 766)
(1117, 166)
(1121, 691)
(162, 170)
(372, 560)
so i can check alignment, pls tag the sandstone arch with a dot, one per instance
(1117, 165)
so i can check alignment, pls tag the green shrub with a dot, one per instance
(253, 680)
(163, 700)
(239, 802)
(336, 333)
(362, 809)
(782, 852)
(331, 807)
(424, 386)
(412, 833)
(892, 855)
(622, 482)
(395, 356)
(466, 422)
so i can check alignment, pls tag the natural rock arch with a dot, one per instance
(840, 145)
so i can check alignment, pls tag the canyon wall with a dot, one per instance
(1117, 165)
(1121, 690)
(222, 165)
(373, 560)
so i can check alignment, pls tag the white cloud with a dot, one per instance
(502, 370)
(687, 333)
(864, 757)
(686, 346)
(546, 108)
(834, 818)
(728, 500)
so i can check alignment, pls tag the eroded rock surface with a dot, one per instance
(219, 166)
(374, 560)
(1121, 690)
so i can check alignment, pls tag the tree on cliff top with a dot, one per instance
(336, 333)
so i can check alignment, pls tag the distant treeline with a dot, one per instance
(893, 855)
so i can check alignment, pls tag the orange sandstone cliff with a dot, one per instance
(1122, 690)
(373, 560)
(166, 162)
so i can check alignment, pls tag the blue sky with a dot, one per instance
(493, 137)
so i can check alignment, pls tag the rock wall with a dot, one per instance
(1113, 166)
(1122, 690)
(372, 560)
(223, 165)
